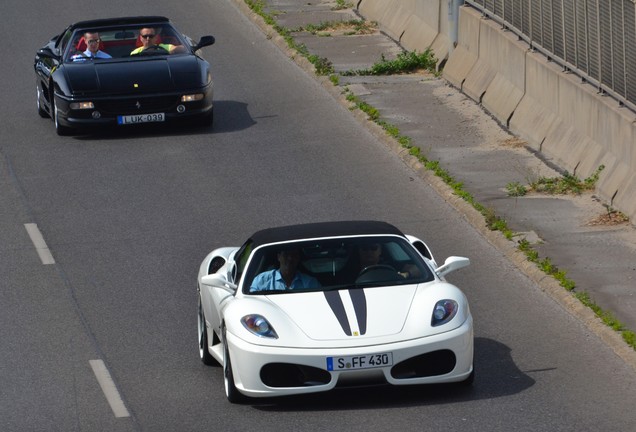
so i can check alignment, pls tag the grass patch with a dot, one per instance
(608, 319)
(566, 184)
(516, 189)
(342, 4)
(348, 28)
(405, 62)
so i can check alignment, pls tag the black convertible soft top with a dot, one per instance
(107, 22)
(323, 229)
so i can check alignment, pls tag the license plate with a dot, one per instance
(367, 361)
(141, 118)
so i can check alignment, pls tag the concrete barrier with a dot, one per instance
(537, 110)
(465, 54)
(558, 114)
(414, 24)
(508, 86)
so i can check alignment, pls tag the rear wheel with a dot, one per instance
(231, 392)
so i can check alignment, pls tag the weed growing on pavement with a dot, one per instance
(608, 319)
(347, 28)
(341, 4)
(546, 265)
(322, 64)
(568, 183)
(405, 62)
(516, 189)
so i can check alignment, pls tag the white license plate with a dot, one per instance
(367, 361)
(141, 118)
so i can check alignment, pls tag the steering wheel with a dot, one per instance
(153, 49)
(370, 268)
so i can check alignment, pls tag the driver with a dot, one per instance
(148, 35)
(286, 277)
(370, 254)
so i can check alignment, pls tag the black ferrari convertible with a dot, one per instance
(123, 71)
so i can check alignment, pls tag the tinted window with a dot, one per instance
(343, 263)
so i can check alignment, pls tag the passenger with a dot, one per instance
(148, 36)
(92, 40)
(286, 277)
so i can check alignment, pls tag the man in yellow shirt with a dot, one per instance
(148, 36)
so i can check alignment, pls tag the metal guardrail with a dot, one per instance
(595, 39)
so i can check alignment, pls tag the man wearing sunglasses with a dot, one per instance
(148, 37)
(92, 48)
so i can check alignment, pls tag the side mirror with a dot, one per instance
(451, 264)
(218, 281)
(46, 52)
(203, 42)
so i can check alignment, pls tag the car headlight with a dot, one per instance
(192, 97)
(443, 312)
(258, 325)
(81, 105)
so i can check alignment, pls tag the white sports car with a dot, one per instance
(306, 308)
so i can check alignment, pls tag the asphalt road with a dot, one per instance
(128, 216)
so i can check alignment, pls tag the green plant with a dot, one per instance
(355, 26)
(323, 65)
(341, 4)
(516, 189)
(568, 183)
(406, 61)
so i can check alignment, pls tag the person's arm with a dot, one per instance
(174, 49)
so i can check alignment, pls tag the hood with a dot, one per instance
(138, 76)
(334, 315)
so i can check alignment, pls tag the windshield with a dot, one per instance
(322, 265)
(104, 44)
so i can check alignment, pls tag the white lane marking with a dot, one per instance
(39, 243)
(108, 387)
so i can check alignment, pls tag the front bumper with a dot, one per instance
(452, 353)
(107, 109)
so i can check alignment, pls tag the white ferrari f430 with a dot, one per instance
(307, 308)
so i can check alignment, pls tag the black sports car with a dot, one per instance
(122, 71)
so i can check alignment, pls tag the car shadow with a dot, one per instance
(496, 375)
(229, 116)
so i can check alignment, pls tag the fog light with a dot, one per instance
(81, 105)
(181, 108)
(96, 114)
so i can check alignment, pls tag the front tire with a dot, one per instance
(61, 130)
(231, 392)
(204, 353)
(41, 111)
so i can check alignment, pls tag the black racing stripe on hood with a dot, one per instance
(335, 303)
(360, 306)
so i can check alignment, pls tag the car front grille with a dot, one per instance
(138, 105)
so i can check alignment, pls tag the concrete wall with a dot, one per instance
(560, 116)
(416, 24)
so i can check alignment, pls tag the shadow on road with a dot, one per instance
(496, 376)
